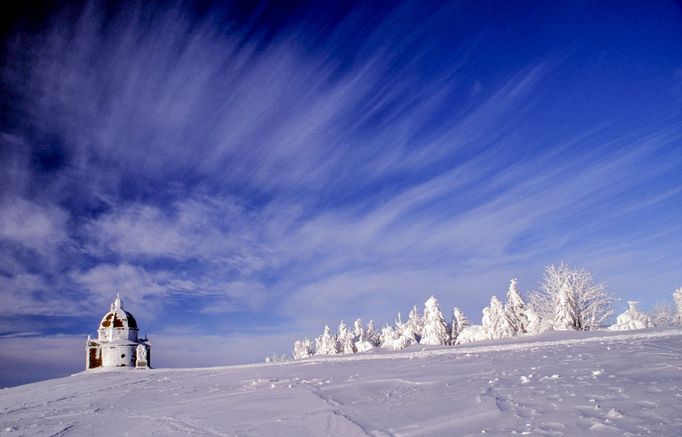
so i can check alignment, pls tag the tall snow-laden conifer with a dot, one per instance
(358, 330)
(515, 309)
(345, 339)
(414, 325)
(499, 326)
(459, 322)
(565, 313)
(371, 335)
(326, 344)
(433, 331)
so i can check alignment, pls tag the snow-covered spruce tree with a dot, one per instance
(433, 330)
(677, 297)
(371, 335)
(459, 322)
(345, 339)
(632, 318)
(570, 299)
(515, 309)
(495, 322)
(303, 349)
(399, 325)
(360, 342)
(326, 344)
(358, 330)
(414, 325)
(566, 314)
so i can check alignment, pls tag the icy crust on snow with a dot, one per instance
(562, 383)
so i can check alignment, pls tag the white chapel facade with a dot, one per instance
(117, 343)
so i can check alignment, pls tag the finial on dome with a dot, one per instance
(117, 302)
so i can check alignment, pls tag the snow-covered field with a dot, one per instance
(554, 384)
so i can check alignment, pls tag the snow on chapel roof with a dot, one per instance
(118, 317)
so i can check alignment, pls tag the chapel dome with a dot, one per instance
(118, 317)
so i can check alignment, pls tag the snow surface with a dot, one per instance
(559, 383)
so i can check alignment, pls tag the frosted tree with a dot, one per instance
(677, 297)
(414, 325)
(486, 323)
(358, 330)
(471, 334)
(632, 318)
(326, 344)
(303, 349)
(360, 342)
(534, 322)
(458, 324)
(515, 309)
(387, 337)
(399, 325)
(570, 299)
(663, 315)
(433, 330)
(495, 323)
(371, 335)
(345, 339)
(566, 315)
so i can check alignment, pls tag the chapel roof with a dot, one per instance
(118, 317)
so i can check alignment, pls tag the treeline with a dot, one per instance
(568, 299)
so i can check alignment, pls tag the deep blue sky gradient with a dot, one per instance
(243, 173)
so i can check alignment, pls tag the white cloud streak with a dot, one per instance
(325, 190)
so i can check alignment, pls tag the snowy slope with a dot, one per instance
(556, 384)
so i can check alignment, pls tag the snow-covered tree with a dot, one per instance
(303, 349)
(399, 325)
(391, 339)
(534, 322)
(371, 335)
(566, 315)
(632, 318)
(515, 309)
(486, 322)
(363, 345)
(663, 315)
(677, 297)
(459, 322)
(570, 299)
(495, 323)
(326, 344)
(471, 334)
(360, 342)
(433, 330)
(414, 324)
(345, 339)
(358, 330)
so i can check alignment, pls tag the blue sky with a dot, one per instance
(245, 173)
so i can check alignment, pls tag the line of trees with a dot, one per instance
(568, 299)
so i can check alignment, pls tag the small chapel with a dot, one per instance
(117, 343)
